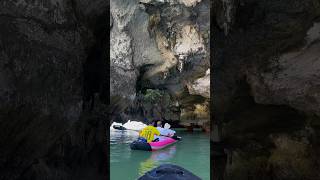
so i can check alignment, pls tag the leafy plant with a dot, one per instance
(153, 95)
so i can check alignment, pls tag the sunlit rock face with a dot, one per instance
(188, 3)
(188, 41)
(159, 45)
(121, 64)
(201, 86)
(130, 46)
(182, 36)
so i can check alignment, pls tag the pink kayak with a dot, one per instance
(153, 146)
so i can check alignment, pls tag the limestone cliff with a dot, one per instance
(160, 45)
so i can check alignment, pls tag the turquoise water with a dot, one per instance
(192, 153)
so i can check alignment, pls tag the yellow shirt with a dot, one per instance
(149, 132)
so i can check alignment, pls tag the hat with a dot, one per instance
(167, 126)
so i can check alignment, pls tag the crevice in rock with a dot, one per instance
(95, 68)
(142, 83)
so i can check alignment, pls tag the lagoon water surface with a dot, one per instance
(192, 153)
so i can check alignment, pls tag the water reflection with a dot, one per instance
(123, 137)
(156, 158)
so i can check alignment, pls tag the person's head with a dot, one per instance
(167, 126)
(159, 124)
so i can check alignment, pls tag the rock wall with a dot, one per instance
(47, 52)
(159, 45)
(266, 87)
(54, 76)
(53, 83)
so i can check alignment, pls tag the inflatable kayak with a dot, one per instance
(169, 171)
(162, 142)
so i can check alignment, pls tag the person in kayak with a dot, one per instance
(148, 133)
(159, 124)
(166, 131)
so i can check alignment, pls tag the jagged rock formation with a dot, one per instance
(131, 46)
(266, 87)
(201, 86)
(53, 83)
(160, 45)
(293, 78)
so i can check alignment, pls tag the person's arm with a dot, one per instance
(157, 132)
